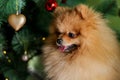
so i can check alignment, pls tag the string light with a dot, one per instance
(43, 38)
(4, 52)
(6, 79)
(7, 57)
(9, 60)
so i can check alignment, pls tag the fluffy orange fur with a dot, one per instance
(96, 58)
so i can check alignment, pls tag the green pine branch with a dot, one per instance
(8, 7)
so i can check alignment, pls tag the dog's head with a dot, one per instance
(71, 26)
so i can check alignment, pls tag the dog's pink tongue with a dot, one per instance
(62, 48)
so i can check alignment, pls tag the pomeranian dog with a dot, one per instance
(81, 46)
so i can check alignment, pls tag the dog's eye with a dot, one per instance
(71, 35)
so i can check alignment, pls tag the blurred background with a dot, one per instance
(22, 35)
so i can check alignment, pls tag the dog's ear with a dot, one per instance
(83, 11)
(59, 10)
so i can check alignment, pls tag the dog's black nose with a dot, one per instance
(59, 41)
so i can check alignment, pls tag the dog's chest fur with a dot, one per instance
(82, 68)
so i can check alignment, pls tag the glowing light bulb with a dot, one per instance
(43, 38)
(4, 52)
(9, 60)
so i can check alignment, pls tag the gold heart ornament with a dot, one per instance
(16, 21)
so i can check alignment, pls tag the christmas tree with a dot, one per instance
(24, 28)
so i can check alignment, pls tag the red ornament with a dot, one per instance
(51, 5)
